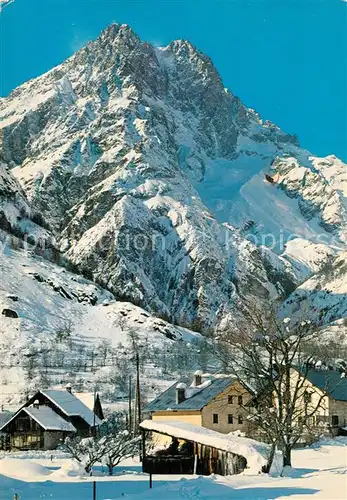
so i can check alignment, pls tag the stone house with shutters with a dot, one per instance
(215, 402)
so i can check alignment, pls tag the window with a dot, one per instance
(240, 400)
(215, 418)
(322, 419)
(230, 419)
(230, 400)
(240, 419)
(308, 397)
(23, 424)
(335, 420)
(35, 426)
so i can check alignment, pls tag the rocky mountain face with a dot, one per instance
(320, 189)
(158, 183)
(17, 219)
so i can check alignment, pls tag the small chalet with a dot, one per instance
(216, 402)
(47, 418)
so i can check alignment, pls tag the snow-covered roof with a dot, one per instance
(49, 419)
(5, 416)
(254, 452)
(196, 397)
(71, 405)
(45, 416)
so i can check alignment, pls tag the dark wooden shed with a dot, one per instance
(193, 450)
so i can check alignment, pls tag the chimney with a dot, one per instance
(36, 403)
(197, 378)
(180, 393)
(68, 388)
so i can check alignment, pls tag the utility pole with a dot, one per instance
(135, 409)
(129, 406)
(137, 403)
(94, 430)
(138, 395)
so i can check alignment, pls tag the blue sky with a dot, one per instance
(285, 58)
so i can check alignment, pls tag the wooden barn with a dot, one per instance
(37, 427)
(47, 418)
(197, 450)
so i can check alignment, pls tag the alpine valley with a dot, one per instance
(137, 193)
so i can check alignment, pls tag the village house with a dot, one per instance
(215, 402)
(47, 418)
(222, 403)
(320, 404)
(324, 391)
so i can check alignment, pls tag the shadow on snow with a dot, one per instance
(203, 488)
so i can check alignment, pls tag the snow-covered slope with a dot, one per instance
(151, 175)
(56, 327)
(17, 219)
(323, 297)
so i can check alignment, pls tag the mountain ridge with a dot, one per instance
(148, 171)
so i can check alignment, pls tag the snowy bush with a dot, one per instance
(111, 444)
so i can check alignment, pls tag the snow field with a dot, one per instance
(321, 472)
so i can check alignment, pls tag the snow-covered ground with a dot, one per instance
(320, 472)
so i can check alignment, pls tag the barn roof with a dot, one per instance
(196, 397)
(255, 453)
(48, 419)
(69, 404)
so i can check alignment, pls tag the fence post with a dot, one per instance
(150, 481)
(195, 464)
(94, 490)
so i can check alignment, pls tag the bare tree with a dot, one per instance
(64, 332)
(104, 348)
(269, 356)
(133, 341)
(30, 362)
(118, 443)
(87, 451)
(112, 445)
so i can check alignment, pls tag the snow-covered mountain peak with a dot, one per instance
(153, 178)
